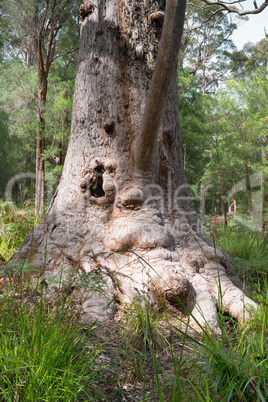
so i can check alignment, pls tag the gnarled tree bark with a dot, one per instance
(123, 187)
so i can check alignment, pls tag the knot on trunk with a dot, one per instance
(176, 290)
(86, 9)
(97, 181)
(157, 17)
(94, 182)
(132, 198)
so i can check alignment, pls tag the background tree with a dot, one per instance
(204, 118)
(248, 60)
(6, 152)
(206, 41)
(32, 28)
(238, 143)
(18, 104)
(196, 126)
(206, 49)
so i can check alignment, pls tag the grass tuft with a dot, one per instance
(14, 226)
(44, 354)
(247, 248)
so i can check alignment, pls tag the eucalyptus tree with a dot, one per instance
(206, 46)
(206, 40)
(18, 90)
(122, 208)
(249, 60)
(197, 125)
(7, 156)
(33, 28)
(238, 152)
(252, 93)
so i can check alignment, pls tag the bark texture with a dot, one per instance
(121, 211)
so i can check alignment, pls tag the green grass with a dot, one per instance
(45, 355)
(230, 366)
(143, 327)
(248, 249)
(233, 365)
(14, 226)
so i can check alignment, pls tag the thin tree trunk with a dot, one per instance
(223, 204)
(184, 156)
(40, 148)
(248, 187)
(204, 63)
(203, 199)
(63, 141)
(235, 198)
(44, 55)
(40, 176)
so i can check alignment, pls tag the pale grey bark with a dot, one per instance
(146, 142)
(130, 221)
(203, 199)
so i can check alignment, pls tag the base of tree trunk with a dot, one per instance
(187, 276)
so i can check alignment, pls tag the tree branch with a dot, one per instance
(229, 6)
(146, 143)
(64, 54)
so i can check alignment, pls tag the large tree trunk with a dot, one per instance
(123, 201)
